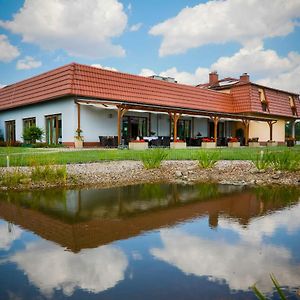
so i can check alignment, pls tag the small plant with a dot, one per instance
(152, 158)
(49, 174)
(286, 161)
(78, 135)
(207, 159)
(32, 134)
(263, 160)
(260, 296)
(11, 179)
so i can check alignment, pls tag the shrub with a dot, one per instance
(152, 158)
(32, 134)
(207, 159)
(49, 174)
(12, 178)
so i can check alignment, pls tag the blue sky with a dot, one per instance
(178, 38)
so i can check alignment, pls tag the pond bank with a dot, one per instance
(121, 173)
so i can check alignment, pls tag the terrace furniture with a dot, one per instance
(108, 141)
(166, 141)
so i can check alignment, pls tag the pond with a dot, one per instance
(153, 241)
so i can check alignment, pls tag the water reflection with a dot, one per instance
(8, 234)
(51, 268)
(95, 240)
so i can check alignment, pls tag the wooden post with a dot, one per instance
(247, 125)
(216, 121)
(271, 123)
(121, 112)
(175, 117)
(78, 118)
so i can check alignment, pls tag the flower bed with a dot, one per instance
(252, 143)
(179, 144)
(138, 145)
(272, 144)
(208, 143)
(233, 143)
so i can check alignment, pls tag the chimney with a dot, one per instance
(213, 77)
(245, 77)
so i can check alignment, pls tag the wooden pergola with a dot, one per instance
(174, 113)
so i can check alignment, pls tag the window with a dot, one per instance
(54, 129)
(263, 100)
(10, 130)
(28, 122)
(293, 105)
(134, 127)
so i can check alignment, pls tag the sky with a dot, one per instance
(184, 39)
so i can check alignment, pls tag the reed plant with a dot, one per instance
(13, 178)
(49, 174)
(286, 160)
(152, 158)
(276, 284)
(207, 159)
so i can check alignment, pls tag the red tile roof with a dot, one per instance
(246, 98)
(86, 81)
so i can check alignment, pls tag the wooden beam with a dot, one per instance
(246, 123)
(271, 123)
(175, 117)
(121, 112)
(216, 120)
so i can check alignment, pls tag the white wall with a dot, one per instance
(262, 131)
(65, 107)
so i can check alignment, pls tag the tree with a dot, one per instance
(32, 134)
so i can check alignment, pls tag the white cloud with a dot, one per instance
(8, 52)
(288, 81)
(80, 27)
(264, 66)
(146, 72)
(93, 270)
(2, 86)
(246, 22)
(135, 27)
(104, 67)
(240, 265)
(28, 63)
(8, 234)
(200, 75)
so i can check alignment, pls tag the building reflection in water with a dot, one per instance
(88, 223)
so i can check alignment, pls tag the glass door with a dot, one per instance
(10, 129)
(53, 129)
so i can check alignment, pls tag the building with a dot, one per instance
(119, 107)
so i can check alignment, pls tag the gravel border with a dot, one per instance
(121, 173)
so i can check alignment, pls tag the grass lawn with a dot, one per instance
(29, 156)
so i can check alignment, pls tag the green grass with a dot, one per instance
(26, 157)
